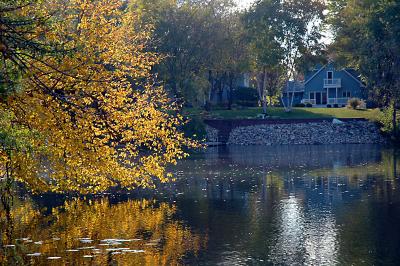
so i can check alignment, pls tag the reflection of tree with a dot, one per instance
(165, 240)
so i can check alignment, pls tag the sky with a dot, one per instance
(244, 3)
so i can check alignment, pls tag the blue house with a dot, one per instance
(326, 86)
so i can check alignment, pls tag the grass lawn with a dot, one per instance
(277, 112)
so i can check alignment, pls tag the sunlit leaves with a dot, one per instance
(102, 120)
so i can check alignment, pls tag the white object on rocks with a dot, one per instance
(337, 121)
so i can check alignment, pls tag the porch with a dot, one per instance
(330, 96)
(324, 103)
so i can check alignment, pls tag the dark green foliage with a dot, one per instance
(245, 96)
(195, 128)
(367, 36)
(300, 105)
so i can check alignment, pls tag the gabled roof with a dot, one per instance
(315, 74)
(350, 72)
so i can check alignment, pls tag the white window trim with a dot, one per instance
(327, 75)
(321, 96)
(346, 94)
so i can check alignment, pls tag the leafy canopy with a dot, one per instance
(87, 94)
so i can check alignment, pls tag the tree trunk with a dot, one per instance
(394, 120)
(264, 105)
(230, 92)
(264, 98)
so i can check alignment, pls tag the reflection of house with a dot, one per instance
(326, 86)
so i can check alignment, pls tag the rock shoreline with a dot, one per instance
(324, 132)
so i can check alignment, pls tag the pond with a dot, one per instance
(235, 205)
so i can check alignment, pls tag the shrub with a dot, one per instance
(335, 105)
(245, 96)
(363, 105)
(300, 105)
(329, 106)
(308, 105)
(386, 119)
(371, 104)
(354, 103)
(195, 128)
(247, 103)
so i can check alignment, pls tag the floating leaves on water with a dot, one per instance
(23, 239)
(91, 247)
(86, 241)
(54, 258)
(114, 240)
(116, 249)
(134, 251)
(34, 254)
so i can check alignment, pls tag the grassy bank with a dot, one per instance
(296, 113)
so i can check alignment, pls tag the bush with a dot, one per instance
(363, 105)
(308, 105)
(335, 105)
(386, 119)
(247, 103)
(371, 104)
(329, 106)
(245, 96)
(195, 128)
(354, 103)
(300, 105)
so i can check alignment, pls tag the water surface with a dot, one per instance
(313, 205)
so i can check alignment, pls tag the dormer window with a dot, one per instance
(329, 75)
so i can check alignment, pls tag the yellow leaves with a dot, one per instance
(99, 220)
(97, 129)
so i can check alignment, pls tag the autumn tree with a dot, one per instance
(87, 106)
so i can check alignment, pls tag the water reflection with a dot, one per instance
(135, 232)
(312, 205)
(305, 236)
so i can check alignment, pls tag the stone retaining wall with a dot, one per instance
(316, 132)
(212, 134)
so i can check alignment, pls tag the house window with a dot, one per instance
(329, 75)
(312, 96)
(346, 94)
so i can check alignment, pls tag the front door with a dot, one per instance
(324, 98)
(317, 98)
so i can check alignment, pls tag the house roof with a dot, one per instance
(349, 71)
(315, 74)
(353, 73)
